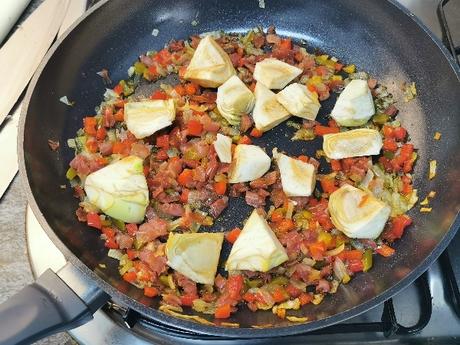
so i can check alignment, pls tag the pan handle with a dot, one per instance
(48, 306)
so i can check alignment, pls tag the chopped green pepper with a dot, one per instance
(367, 260)
(119, 224)
(71, 173)
(380, 119)
(253, 283)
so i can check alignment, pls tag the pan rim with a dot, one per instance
(241, 333)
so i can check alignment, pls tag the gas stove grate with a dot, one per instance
(388, 324)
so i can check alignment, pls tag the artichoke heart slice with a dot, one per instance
(299, 101)
(297, 178)
(195, 255)
(356, 213)
(147, 117)
(120, 190)
(249, 163)
(268, 112)
(210, 65)
(354, 143)
(223, 147)
(354, 106)
(257, 248)
(234, 99)
(275, 74)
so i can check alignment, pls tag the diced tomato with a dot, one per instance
(118, 89)
(191, 89)
(245, 140)
(303, 158)
(187, 300)
(338, 66)
(332, 123)
(132, 254)
(280, 295)
(286, 44)
(101, 133)
(249, 297)
(220, 187)
(396, 227)
(285, 225)
(119, 147)
(321, 71)
(163, 57)
(150, 291)
(406, 185)
(305, 298)
(350, 255)
(91, 145)
(399, 133)
(185, 177)
(94, 220)
(182, 71)
(355, 265)
(162, 141)
(277, 215)
(131, 228)
(388, 131)
(158, 94)
(180, 89)
(336, 165)
(184, 196)
(153, 70)
(256, 133)
(235, 286)
(233, 235)
(108, 232)
(385, 250)
(390, 145)
(194, 128)
(90, 125)
(223, 312)
(130, 277)
(317, 250)
(119, 115)
(328, 185)
(111, 243)
(322, 130)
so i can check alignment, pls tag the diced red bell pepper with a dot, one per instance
(150, 291)
(223, 312)
(94, 220)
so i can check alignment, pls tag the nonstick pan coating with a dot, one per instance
(378, 36)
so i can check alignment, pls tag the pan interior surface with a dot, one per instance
(375, 35)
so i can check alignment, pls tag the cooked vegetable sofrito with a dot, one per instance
(154, 172)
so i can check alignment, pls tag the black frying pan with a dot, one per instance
(379, 36)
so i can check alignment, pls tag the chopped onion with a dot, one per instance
(115, 254)
(309, 261)
(66, 101)
(334, 252)
(367, 179)
(340, 271)
(437, 136)
(297, 319)
(432, 172)
(290, 210)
